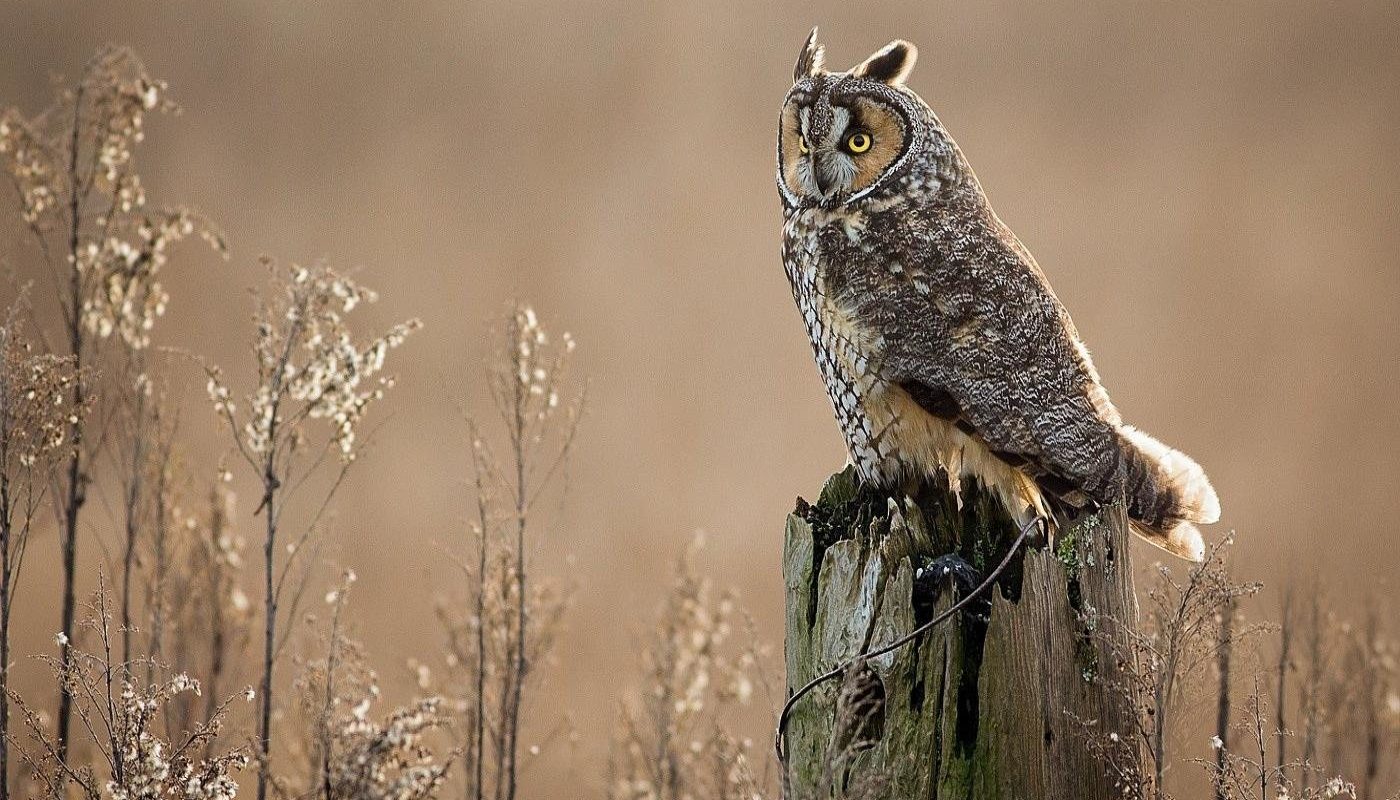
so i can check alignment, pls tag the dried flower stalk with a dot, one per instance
(81, 198)
(309, 369)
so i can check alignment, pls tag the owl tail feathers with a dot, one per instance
(1168, 495)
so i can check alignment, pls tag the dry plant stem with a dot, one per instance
(271, 506)
(521, 664)
(217, 633)
(1370, 703)
(161, 568)
(1336, 700)
(499, 642)
(6, 569)
(1222, 704)
(1197, 601)
(130, 758)
(132, 507)
(351, 755)
(76, 489)
(333, 379)
(113, 254)
(476, 746)
(854, 709)
(328, 709)
(1163, 694)
(7, 538)
(1259, 740)
(1179, 634)
(1312, 688)
(671, 742)
(502, 732)
(1249, 771)
(108, 679)
(1281, 695)
(33, 425)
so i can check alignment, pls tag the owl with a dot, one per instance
(945, 353)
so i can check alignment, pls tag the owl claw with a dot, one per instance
(950, 565)
(950, 569)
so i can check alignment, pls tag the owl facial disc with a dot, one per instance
(842, 133)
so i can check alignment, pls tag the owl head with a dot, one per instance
(847, 136)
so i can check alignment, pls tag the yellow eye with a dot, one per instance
(802, 144)
(858, 142)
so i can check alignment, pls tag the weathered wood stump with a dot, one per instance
(995, 703)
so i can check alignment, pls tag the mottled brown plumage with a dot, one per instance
(942, 346)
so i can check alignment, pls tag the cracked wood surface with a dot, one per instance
(992, 704)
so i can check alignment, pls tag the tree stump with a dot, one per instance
(997, 702)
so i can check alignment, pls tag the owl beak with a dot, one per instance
(824, 177)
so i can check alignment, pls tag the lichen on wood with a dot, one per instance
(996, 702)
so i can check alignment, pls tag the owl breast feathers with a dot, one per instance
(943, 349)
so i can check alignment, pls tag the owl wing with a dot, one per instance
(973, 332)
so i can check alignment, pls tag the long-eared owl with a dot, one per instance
(943, 349)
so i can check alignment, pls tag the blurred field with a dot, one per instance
(1210, 188)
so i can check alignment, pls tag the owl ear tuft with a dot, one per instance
(891, 64)
(810, 60)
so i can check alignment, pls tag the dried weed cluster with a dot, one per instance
(74, 170)
(501, 627)
(672, 742)
(352, 752)
(133, 755)
(93, 415)
(1187, 653)
(309, 369)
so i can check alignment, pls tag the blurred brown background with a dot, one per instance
(1210, 187)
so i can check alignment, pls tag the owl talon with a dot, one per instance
(950, 569)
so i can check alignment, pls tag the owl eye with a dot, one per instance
(802, 145)
(858, 142)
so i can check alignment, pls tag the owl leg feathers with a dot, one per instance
(1168, 494)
